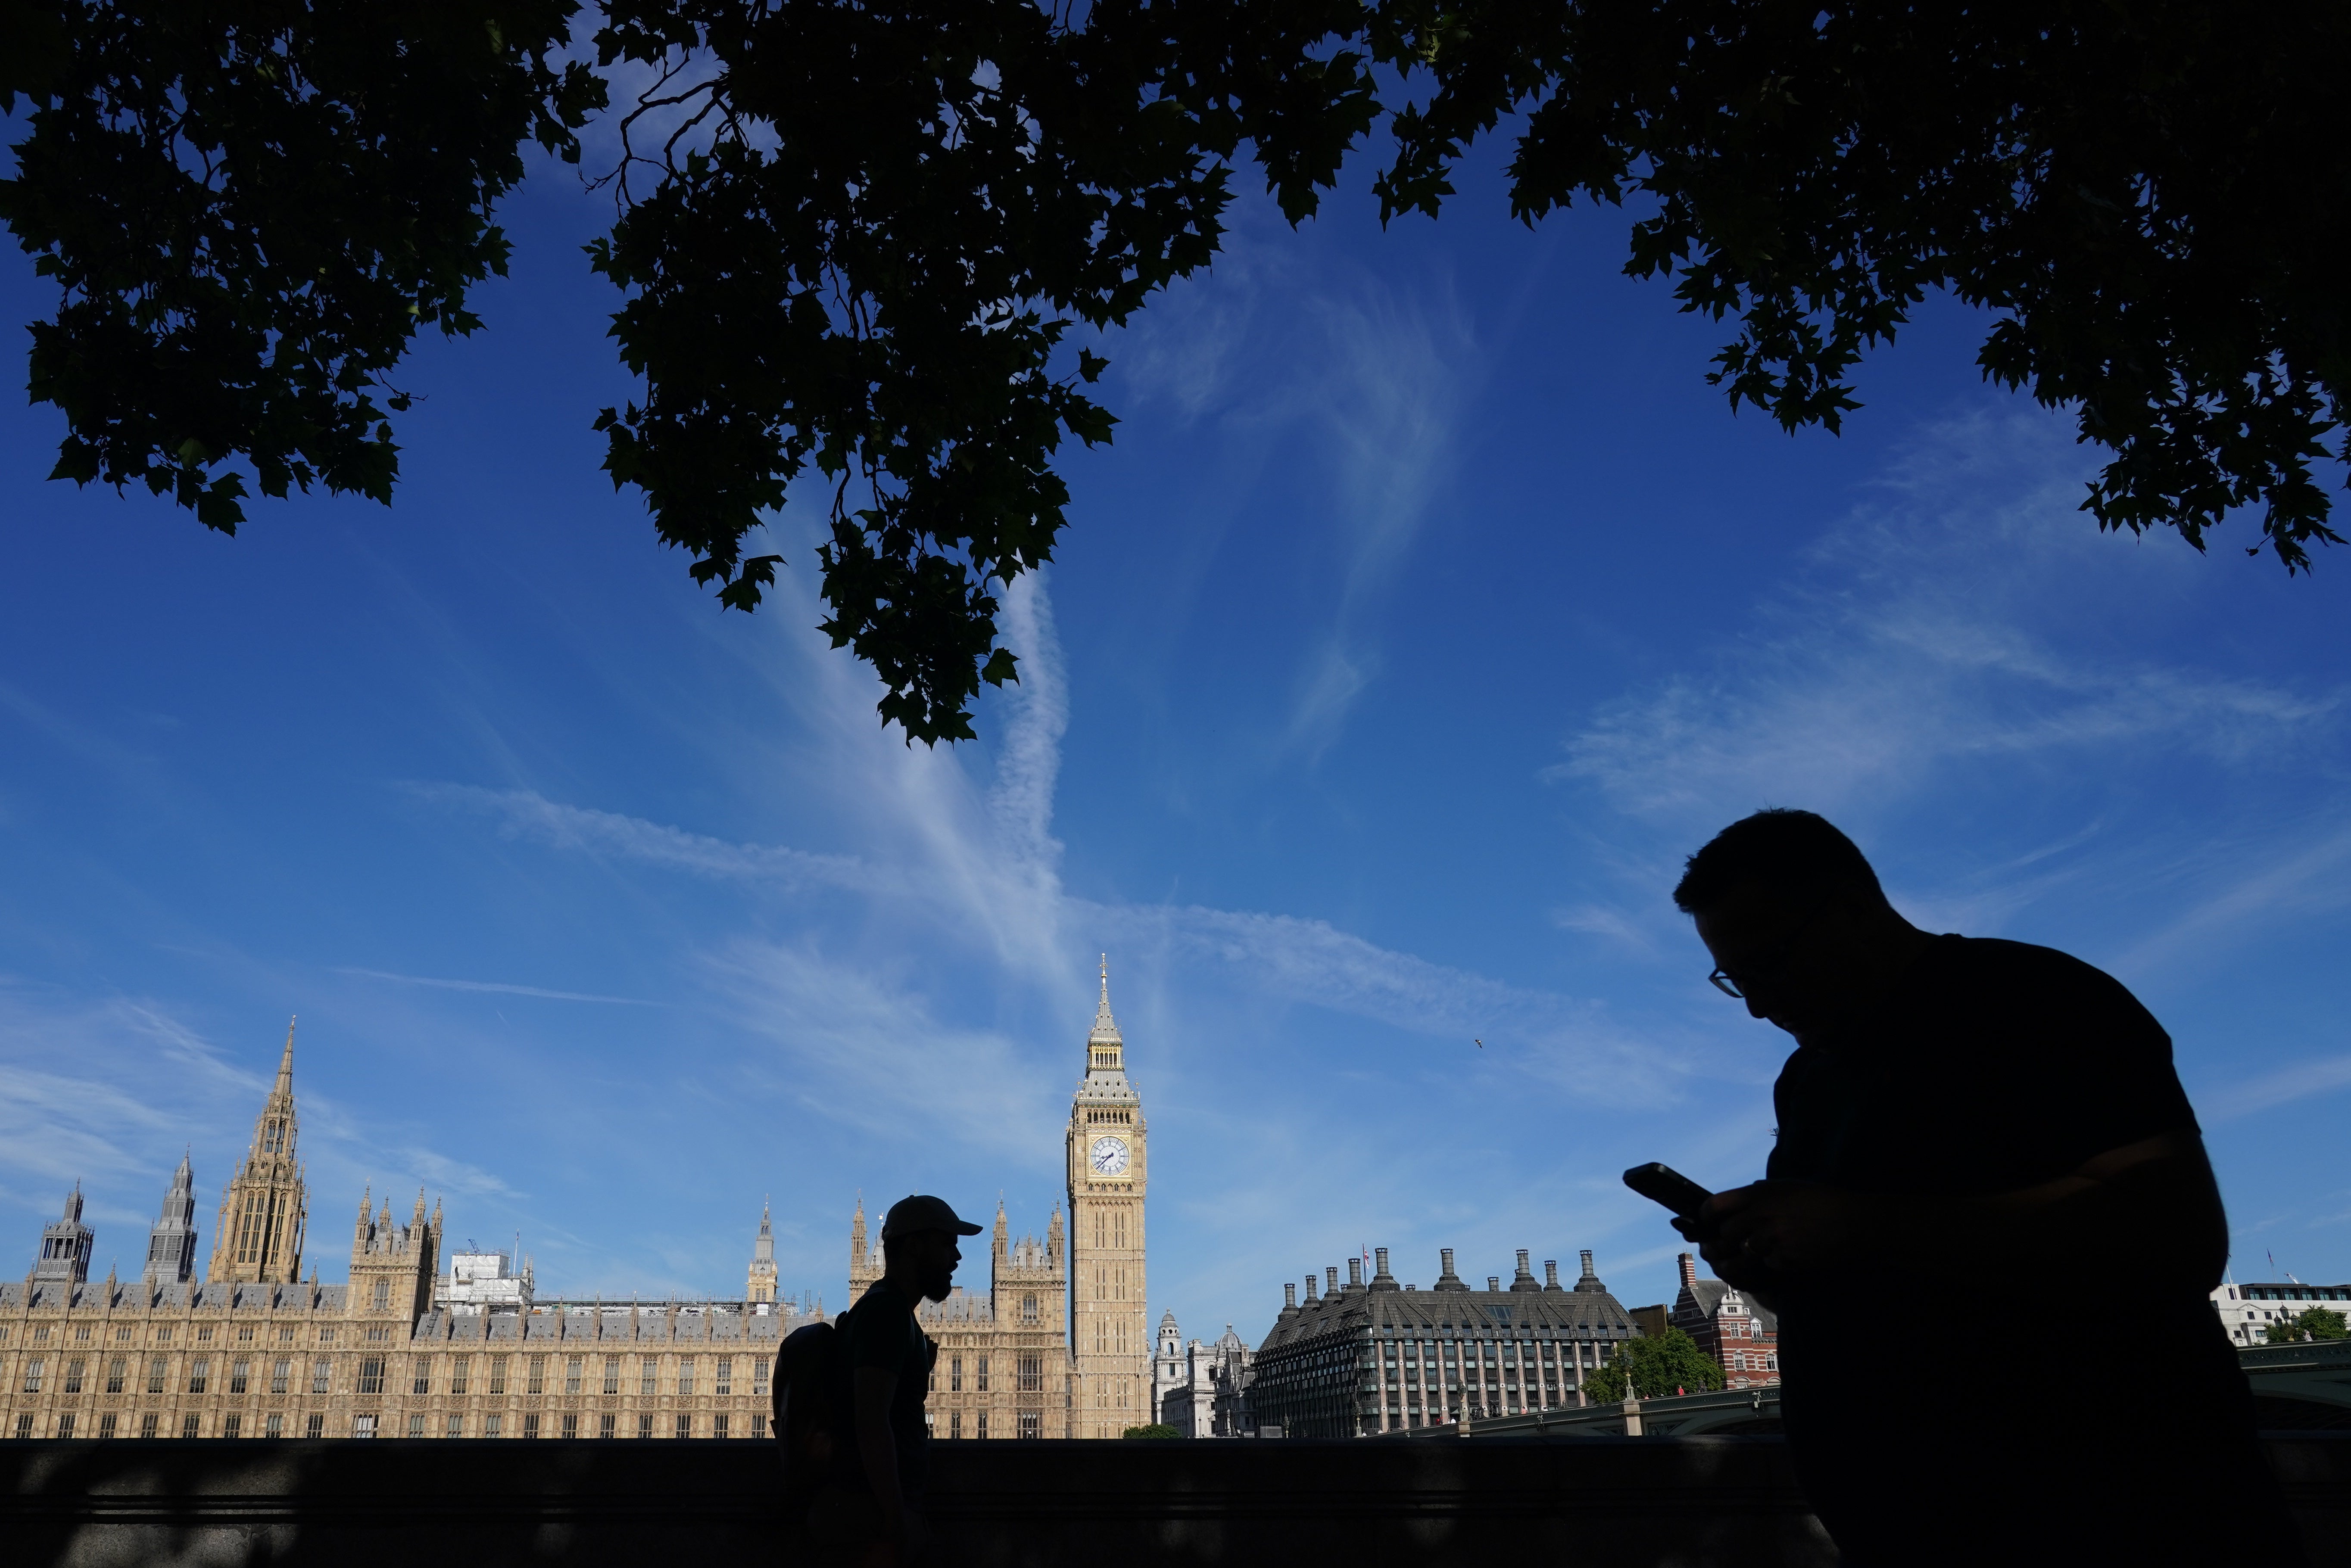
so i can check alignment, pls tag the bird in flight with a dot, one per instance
(1480, 1044)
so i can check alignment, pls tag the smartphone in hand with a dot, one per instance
(1664, 1184)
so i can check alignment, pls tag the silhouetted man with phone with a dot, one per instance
(1989, 1231)
(869, 1514)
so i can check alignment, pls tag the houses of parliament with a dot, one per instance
(422, 1343)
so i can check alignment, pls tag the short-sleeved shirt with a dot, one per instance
(1992, 1067)
(881, 1332)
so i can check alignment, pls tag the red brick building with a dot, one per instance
(1741, 1335)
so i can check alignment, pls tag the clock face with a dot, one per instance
(1109, 1157)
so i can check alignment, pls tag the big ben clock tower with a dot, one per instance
(1109, 1345)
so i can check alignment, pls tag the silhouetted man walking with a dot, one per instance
(870, 1515)
(1988, 1228)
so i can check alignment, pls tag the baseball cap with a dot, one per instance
(923, 1213)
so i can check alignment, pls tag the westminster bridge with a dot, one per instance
(1688, 1501)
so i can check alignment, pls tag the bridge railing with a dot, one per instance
(1639, 1502)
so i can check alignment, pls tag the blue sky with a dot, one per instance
(1427, 609)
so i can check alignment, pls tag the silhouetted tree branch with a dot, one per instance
(866, 231)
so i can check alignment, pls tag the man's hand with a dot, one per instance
(1776, 1233)
(2148, 1212)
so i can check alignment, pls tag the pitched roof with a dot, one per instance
(1556, 1314)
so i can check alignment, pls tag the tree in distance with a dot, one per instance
(871, 244)
(2311, 1322)
(1655, 1369)
(1157, 1431)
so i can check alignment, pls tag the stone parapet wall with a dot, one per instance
(1599, 1502)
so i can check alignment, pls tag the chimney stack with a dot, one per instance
(1550, 1273)
(1310, 1290)
(1355, 1273)
(1331, 1279)
(1493, 1281)
(1446, 1279)
(1289, 1296)
(1689, 1273)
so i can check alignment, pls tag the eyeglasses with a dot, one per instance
(1766, 967)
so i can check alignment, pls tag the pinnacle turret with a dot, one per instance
(64, 1257)
(1105, 1028)
(264, 1211)
(1105, 1049)
(285, 1086)
(759, 1284)
(172, 1242)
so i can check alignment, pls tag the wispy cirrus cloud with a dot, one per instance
(1926, 634)
(2296, 869)
(109, 1093)
(1291, 960)
(529, 815)
(1390, 404)
(865, 1048)
(1368, 382)
(104, 1091)
(978, 857)
(2283, 1086)
(495, 988)
(1874, 703)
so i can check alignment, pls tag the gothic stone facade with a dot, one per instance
(1003, 1368)
(1056, 1348)
(256, 1352)
(1373, 1356)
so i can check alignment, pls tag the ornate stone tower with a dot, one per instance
(263, 1212)
(1028, 1281)
(761, 1286)
(172, 1244)
(1170, 1368)
(864, 1262)
(64, 1258)
(393, 1266)
(1109, 1340)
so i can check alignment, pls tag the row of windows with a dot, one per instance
(1027, 1371)
(1505, 1352)
(241, 1374)
(276, 1424)
(1340, 1363)
(41, 1333)
(1029, 1424)
(201, 1334)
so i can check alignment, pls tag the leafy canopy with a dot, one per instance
(250, 207)
(1158, 1431)
(1655, 1369)
(856, 237)
(2311, 1322)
